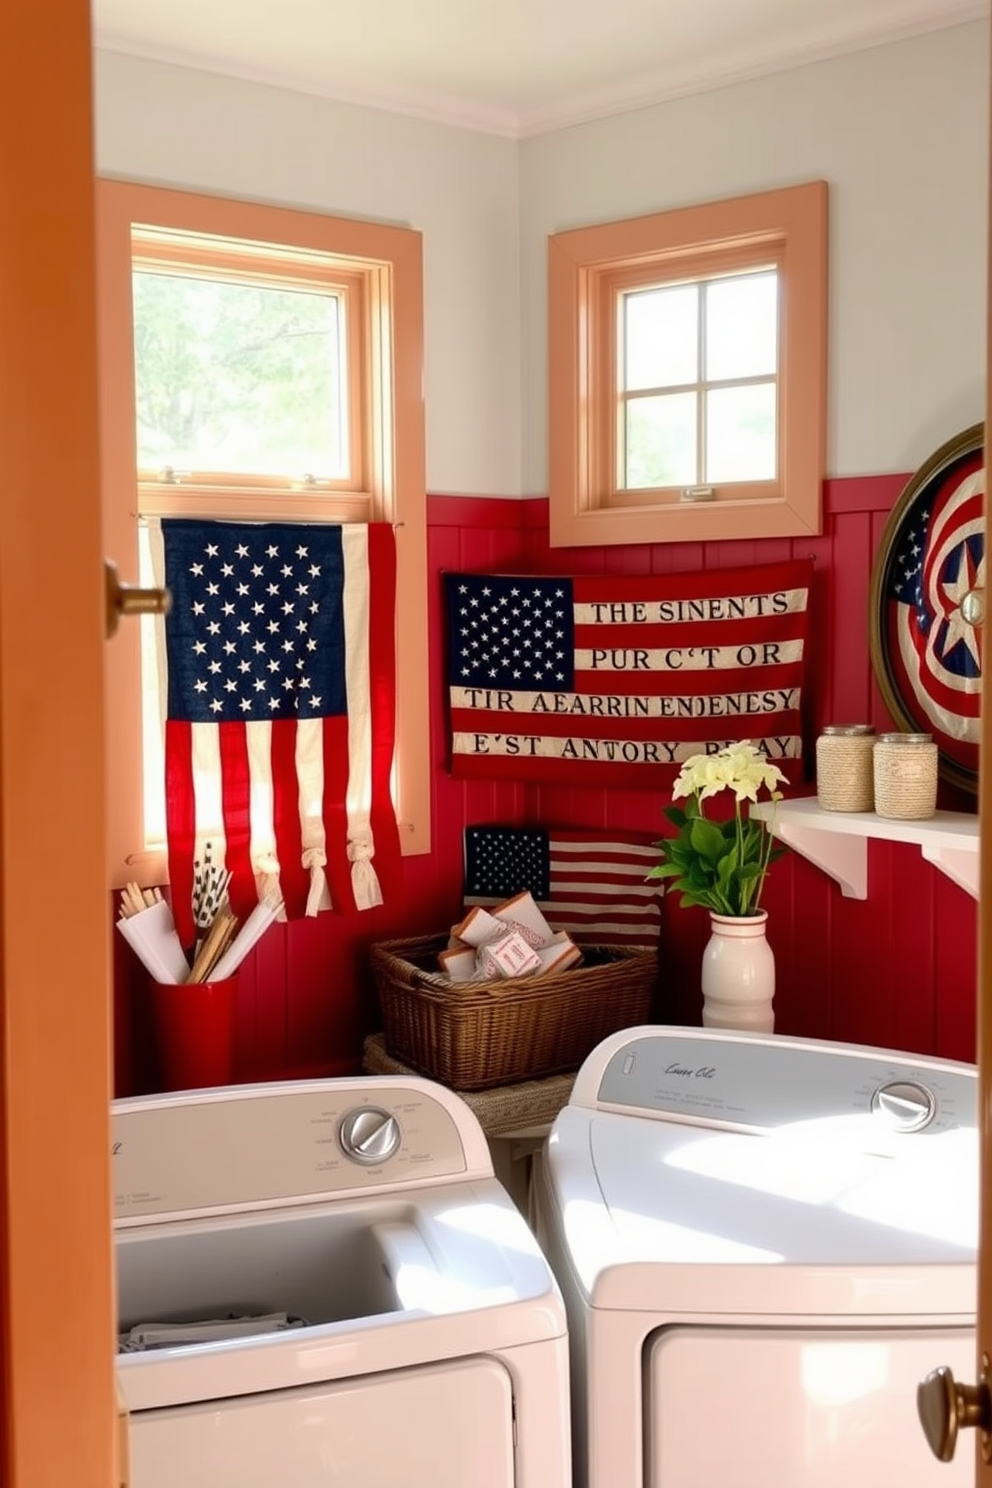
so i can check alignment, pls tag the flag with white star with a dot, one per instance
(615, 679)
(280, 712)
(933, 581)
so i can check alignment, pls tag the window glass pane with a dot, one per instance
(238, 377)
(740, 433)
(742, 326)
(661, 441)
(661, 337)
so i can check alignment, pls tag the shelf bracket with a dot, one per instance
(838, 842)
(959, 865)
(844, 858)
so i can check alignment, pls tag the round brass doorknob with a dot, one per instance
(945, 1407)
(125, 599)
(973, 607)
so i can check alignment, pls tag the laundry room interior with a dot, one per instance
(907, 187)
(353, 1088)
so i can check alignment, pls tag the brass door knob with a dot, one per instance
(945, 1407)
(973, 607)
(125, 599)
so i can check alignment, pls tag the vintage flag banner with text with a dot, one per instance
(615, 680)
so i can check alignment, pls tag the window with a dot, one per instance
(263, 364)
(687, 364)
(697, 383)
(238, 377)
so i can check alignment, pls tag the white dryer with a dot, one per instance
(322, 1284)
(764, 1244)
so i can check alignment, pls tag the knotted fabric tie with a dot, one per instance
(267, 879)
(319, 897)
(364, 880)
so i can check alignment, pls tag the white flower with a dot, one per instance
(699, 773)
(741, 768)
(722, 865)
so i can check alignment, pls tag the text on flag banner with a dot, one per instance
(602, 679)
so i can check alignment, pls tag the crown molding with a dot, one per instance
(650, 88)
(578, 106)
(409, 102)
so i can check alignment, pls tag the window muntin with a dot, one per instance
(687, 372)
(697, 389)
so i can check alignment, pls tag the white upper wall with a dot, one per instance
(172, 126)
(900, 133)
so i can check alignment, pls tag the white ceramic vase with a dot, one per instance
(738, 974)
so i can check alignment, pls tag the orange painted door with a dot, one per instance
(57, 1422)
(983, 1446)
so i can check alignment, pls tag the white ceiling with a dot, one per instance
(510, 67)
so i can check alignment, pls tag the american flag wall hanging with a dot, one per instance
(613, 680)
(280, 715)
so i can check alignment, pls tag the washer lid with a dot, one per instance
(807, 1218)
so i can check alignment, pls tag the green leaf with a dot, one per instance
(693, 901)
(707, 839)
(678, 850)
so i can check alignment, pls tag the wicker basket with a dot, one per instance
(475, 1035)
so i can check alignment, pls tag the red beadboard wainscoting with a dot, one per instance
(896, 969)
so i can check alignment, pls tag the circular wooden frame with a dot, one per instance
(924, 602)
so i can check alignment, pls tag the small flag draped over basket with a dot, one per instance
(594, 884)
(280, 712)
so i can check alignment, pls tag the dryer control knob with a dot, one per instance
(904, 1105)
(369, 1135)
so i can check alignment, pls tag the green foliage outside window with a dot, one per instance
(238, 377)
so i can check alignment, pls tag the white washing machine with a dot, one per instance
(322, 1285)
(764, 1244)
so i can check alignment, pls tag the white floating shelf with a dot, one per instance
(837, 841)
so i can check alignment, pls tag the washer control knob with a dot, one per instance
(904, 1105)
(369, 1135)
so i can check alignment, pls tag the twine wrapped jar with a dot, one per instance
(905, 771)
(845, 767)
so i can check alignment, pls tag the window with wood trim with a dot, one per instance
(259, 363)
(687, 372)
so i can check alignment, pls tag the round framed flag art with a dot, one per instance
(927, 604)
